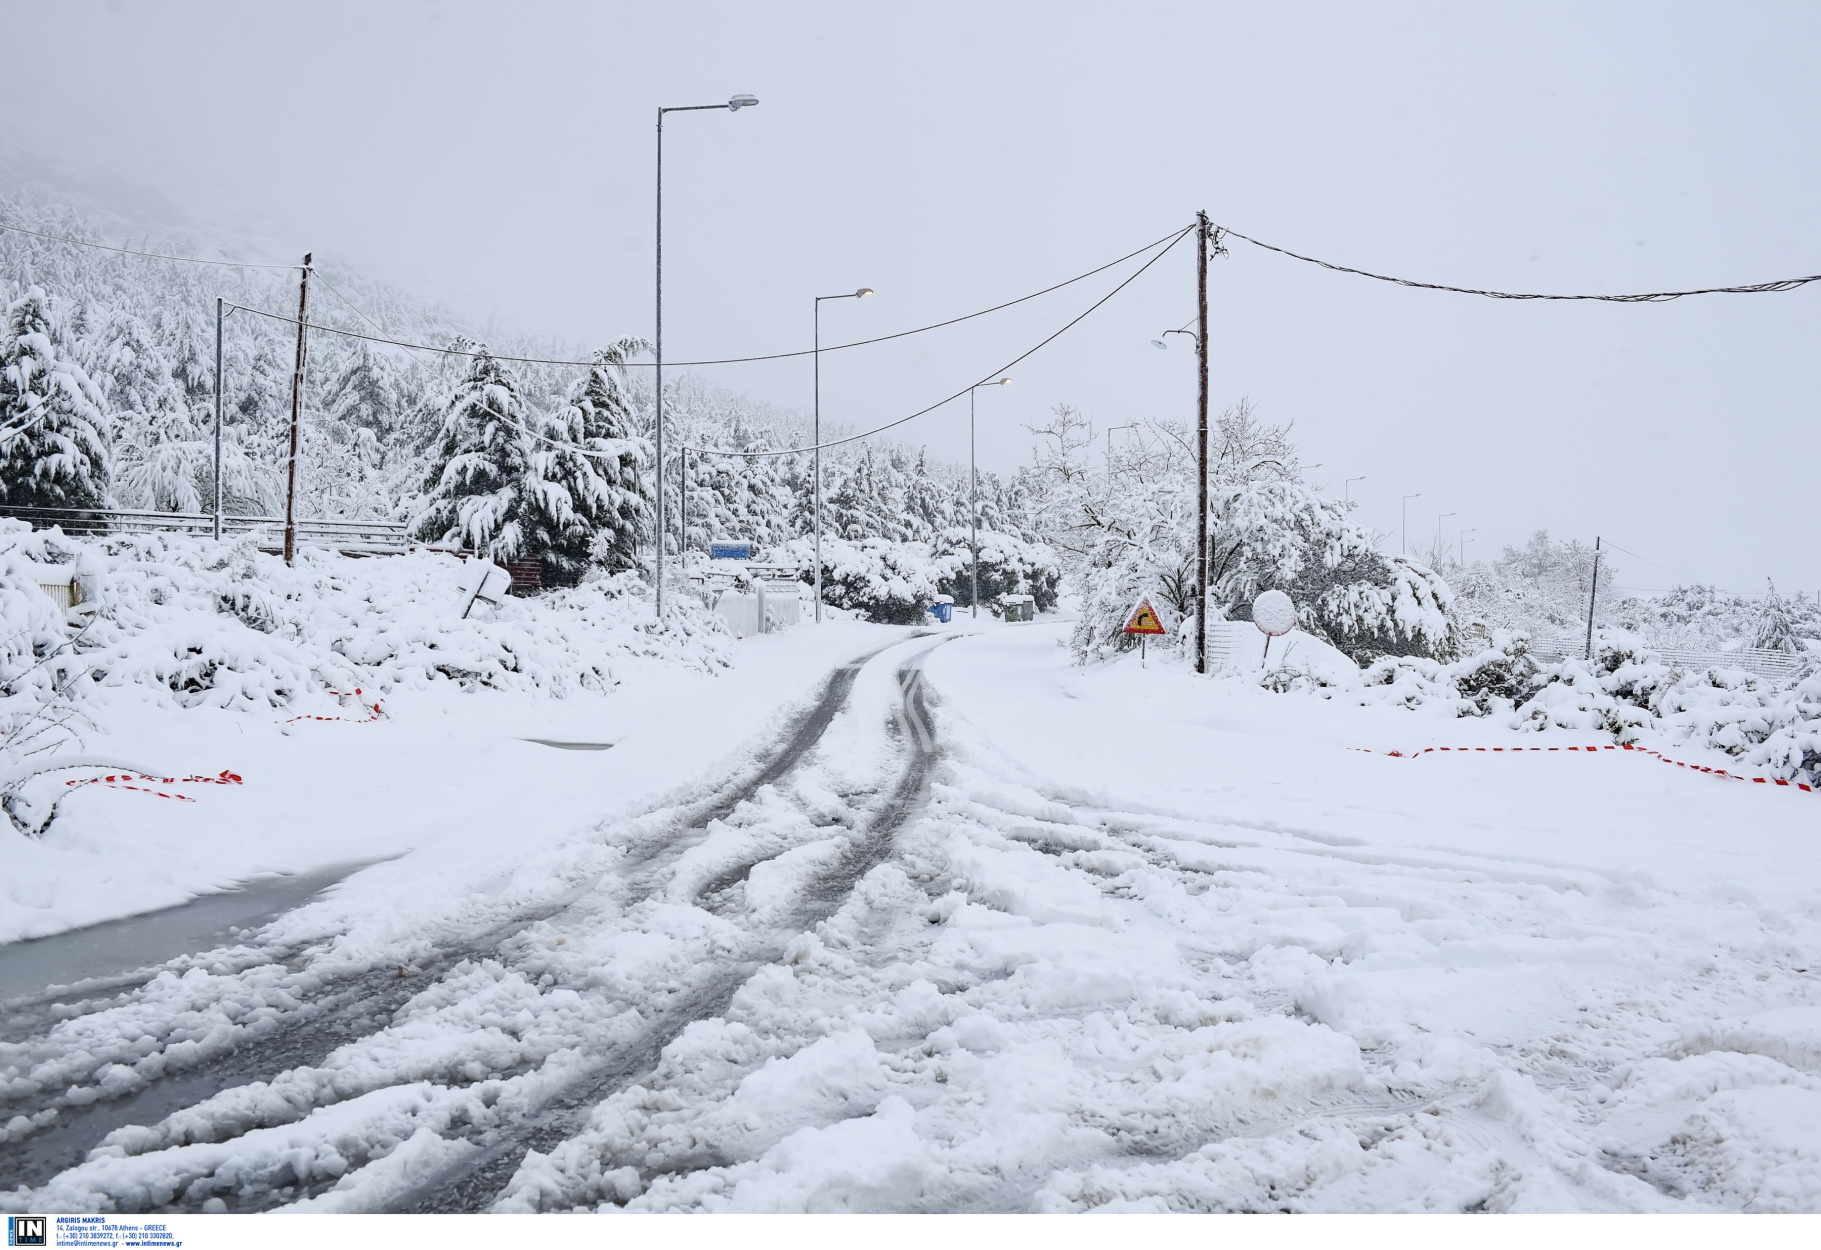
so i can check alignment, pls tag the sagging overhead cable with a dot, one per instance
(1169, 239)
(1651, 297)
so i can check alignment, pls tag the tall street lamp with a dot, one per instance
(1462, 548)
(1403, 541)
(733, 105)
(862, 293)
(1347, 487)
(973, 476)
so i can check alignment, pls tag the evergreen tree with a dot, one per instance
(53, 427)
(1776, 632)
(590, 498)
(476, 491)
(928, 508)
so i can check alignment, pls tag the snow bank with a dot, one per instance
(1770, 725)
(170, 622)
(193, 622)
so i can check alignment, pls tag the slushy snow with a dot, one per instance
(1150, 943)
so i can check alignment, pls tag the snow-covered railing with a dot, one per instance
(1751, 659)
(371, 537)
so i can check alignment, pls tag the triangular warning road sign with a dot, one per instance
(1144, 619)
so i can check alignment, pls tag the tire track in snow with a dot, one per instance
(479, 1181)
(350, 1006)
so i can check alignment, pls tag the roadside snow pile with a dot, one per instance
(191, 622)
(1628, 691)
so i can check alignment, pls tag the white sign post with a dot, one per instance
(1275, 616)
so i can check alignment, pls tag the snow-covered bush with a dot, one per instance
(891, 583)
(1628, 692)
(191, 622)
(1130, 530)
(1009, 565)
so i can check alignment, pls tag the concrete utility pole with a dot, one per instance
(1201, 489)
(816, 429)
(973, 490)
(297, 380)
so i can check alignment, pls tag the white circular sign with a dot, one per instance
(1273, 613)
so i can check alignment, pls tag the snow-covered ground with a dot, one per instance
(972, 929)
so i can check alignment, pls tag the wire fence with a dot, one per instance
(1751, 659)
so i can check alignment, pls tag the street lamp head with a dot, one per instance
(741, 101)
(863, 292)
(1160, 345)
(1003, 382)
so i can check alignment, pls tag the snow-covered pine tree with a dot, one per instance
(162, 460)
(53, 422)
(1776, 632)
(591, 500)
(475, 493)
(929, 506)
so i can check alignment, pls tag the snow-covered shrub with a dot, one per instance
(1009, 565)
(1131, 530)
(891, 583)
(1627, 691)
(191, 622)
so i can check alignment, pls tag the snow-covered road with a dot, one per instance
(986, 932)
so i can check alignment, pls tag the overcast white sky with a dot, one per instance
(955, 155)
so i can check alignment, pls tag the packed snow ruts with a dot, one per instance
(348, 1005)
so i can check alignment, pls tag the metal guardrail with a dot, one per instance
(355, 537)
(1751, 659)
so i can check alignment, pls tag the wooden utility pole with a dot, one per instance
(1201, 451)
(297, 380)
(1593, 593)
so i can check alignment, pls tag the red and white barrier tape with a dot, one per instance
(374, 709)
(121, 781)
(1697, 768)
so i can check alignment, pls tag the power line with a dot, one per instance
(127, 251)
(1170, 239)
(793, 451)
(758, 455)
(1654, 297)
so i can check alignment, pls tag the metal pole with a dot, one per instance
(683, 513)
(816, 440)
(218, 317)
(658, 375)
(1592, 592)
(1201, 485)
(973, 475)
(297, 376)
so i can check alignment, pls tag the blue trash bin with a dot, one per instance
(943, 612)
